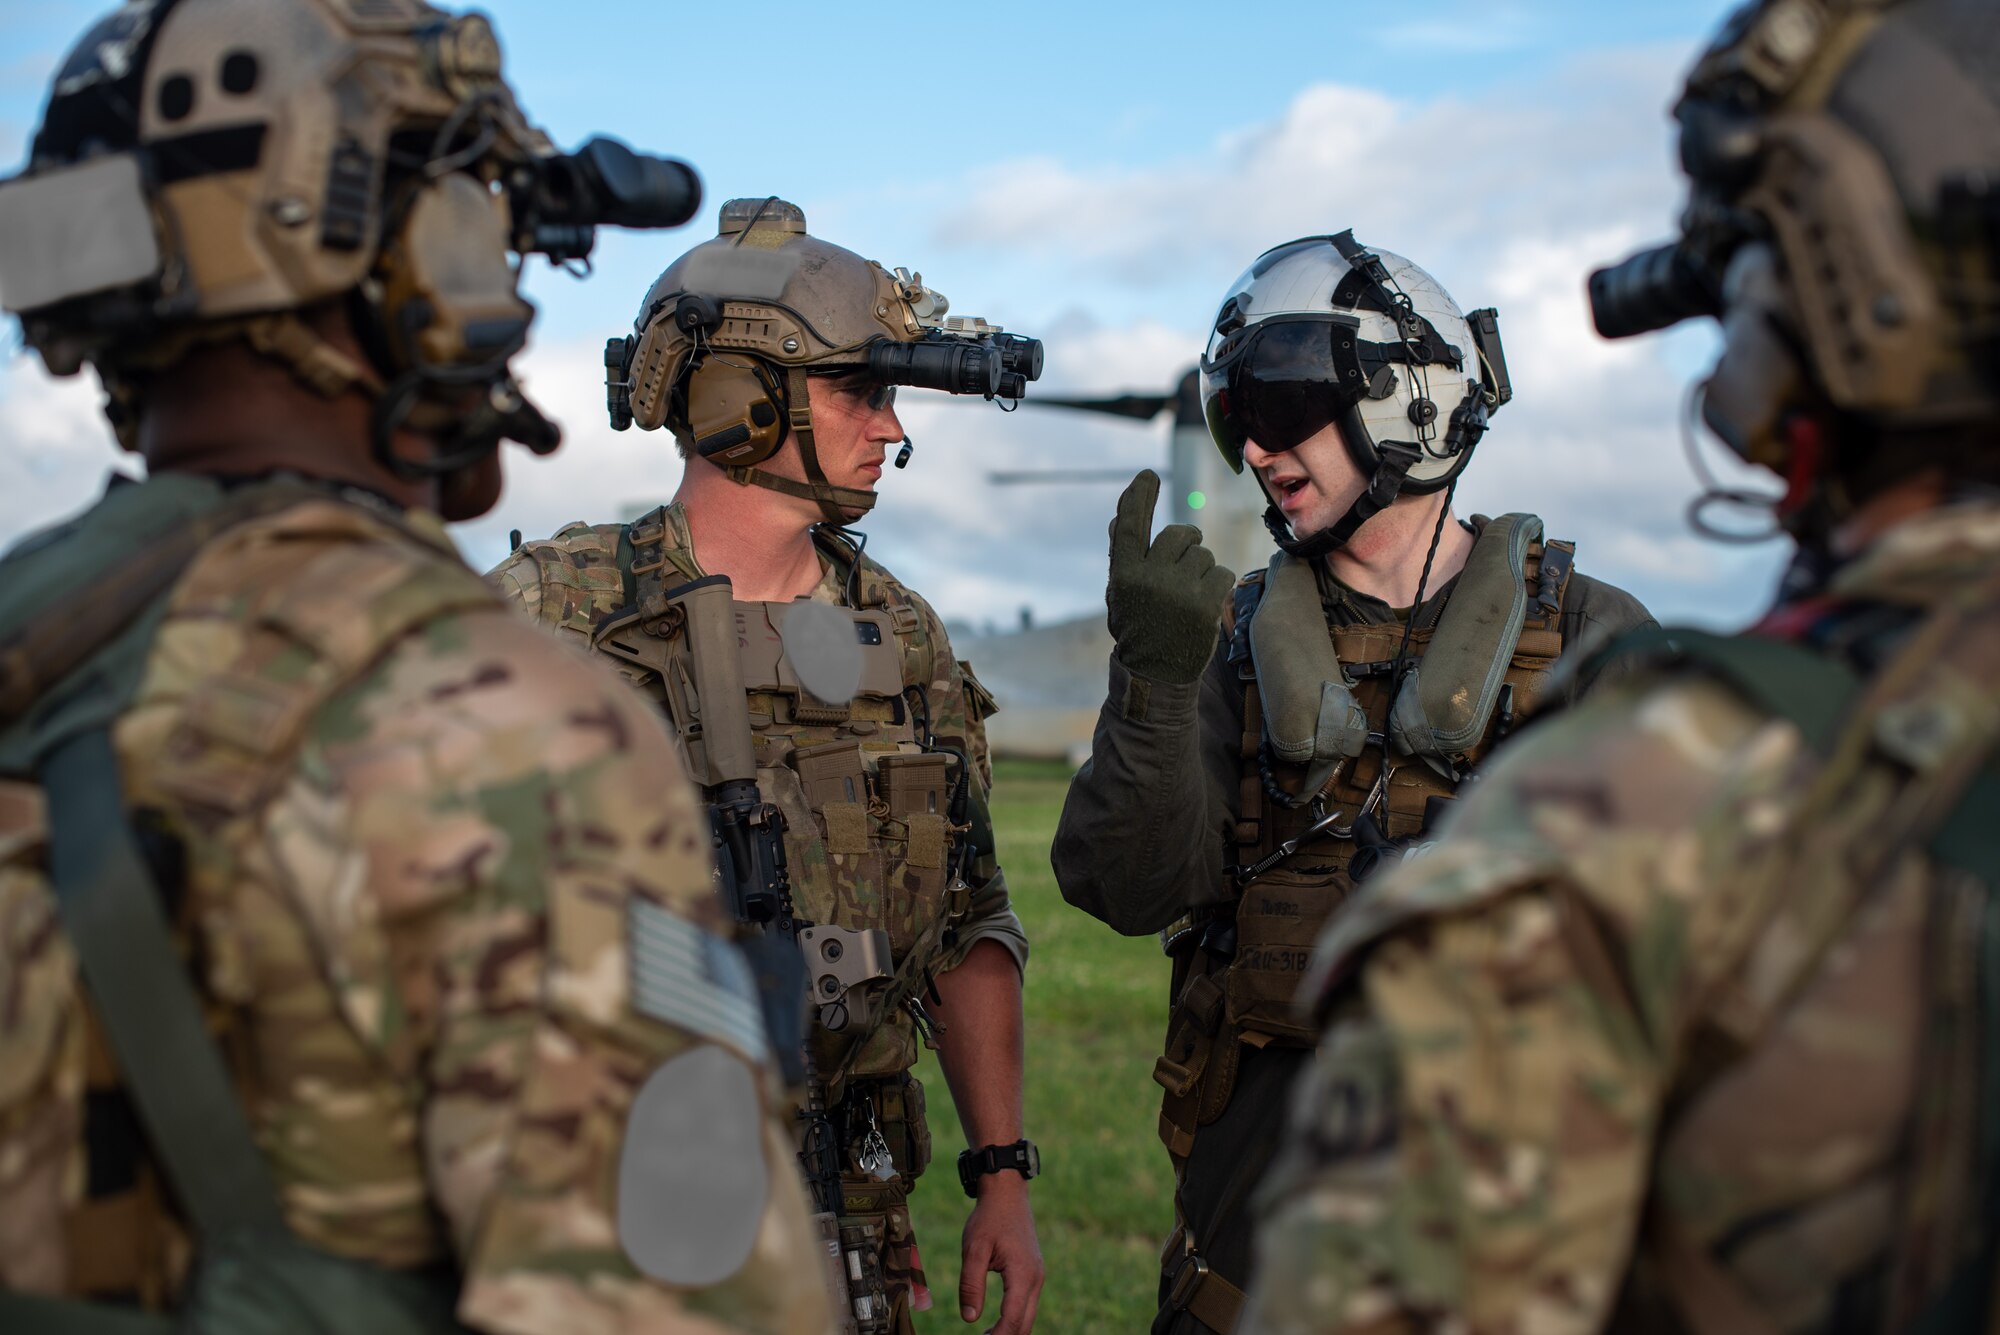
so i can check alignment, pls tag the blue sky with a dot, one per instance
(1095, 174)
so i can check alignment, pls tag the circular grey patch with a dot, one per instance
(823, 649)
(692, 1179)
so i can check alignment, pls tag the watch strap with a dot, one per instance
(1022, 1156)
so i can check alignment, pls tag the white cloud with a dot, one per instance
(59, 448)
(1447, 181)
(1510, 198)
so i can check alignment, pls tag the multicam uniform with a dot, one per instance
(1178, 795)
(1688, 1023)
(405, 886)
(868, 837)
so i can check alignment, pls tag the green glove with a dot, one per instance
(1164, 599)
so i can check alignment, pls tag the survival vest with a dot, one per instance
(325, 587)
(1319, 750)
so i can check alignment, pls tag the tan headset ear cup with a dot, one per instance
(732, 419)
(448, 259)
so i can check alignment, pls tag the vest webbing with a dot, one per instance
(655, 567)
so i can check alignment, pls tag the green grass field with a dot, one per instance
(1096, 1008)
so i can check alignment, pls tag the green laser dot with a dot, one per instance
(1196, 500)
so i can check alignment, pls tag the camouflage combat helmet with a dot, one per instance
(208, 169)
(1844, 224)
(727, 335)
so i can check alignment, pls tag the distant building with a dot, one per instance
(1049, 681)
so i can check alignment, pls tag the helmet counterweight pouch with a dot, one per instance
(1436, 717)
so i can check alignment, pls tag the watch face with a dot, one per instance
(1033, 1157)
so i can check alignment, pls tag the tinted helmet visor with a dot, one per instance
(1279, 382)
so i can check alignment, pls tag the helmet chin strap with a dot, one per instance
(464, 438)
(838, 505)
(1396, 461)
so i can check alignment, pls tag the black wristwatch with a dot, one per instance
(975, 1164)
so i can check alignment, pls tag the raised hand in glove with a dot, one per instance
(1165, 598)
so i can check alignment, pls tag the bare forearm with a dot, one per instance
(981, 1049)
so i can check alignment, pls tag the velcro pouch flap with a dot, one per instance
(929, 841)
(1443, 710)
(836, 786)
(1310, 715)
(915, 789)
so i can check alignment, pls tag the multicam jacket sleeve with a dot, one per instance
(1471, 1148)
(469, 833)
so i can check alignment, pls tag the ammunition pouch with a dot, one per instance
(834, 779)
(1198, 1068)
(901, 1114)
(1278, 919)
(916, 790)
(893, 817)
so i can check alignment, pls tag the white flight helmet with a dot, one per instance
(1320, 331)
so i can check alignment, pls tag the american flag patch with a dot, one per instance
(694, 980)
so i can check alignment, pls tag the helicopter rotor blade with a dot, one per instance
(1139, 407)
(1059, 475)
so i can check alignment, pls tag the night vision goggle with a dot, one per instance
(955, 356)
(959, 357)
(90, 231)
